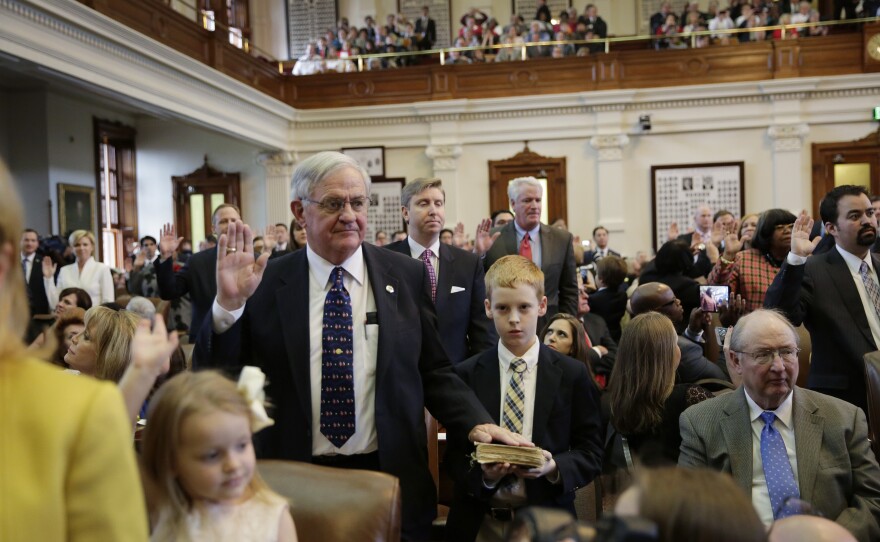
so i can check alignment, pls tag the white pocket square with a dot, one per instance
(456, 289)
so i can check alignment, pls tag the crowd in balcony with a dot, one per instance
(571, 33)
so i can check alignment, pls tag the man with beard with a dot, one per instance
(835, 294)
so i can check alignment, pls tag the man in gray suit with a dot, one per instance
(549, 248)
(782, 444)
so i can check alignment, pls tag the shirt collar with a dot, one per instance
(854, 262)
(416, 249)
(534, 232)
(28, 258)
(321, 268)
(506, 357)
(783, 412)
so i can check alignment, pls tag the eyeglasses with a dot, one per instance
(763, 357)
(336, 205)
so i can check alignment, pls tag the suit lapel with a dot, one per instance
(546, 389)
(486, 381)
(849, 295)
(385, 287)
(546, 249)
(444, 278)
(508, 237)
(292, 298)
(737, 430)
(808, 428)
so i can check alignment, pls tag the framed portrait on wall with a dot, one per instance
(384, 213)
(76, 208)
(677, 191)
(372, 158)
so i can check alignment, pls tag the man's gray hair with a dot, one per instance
(742, 336)
(515, 186)
(417, 186)
(141, 306)
(313, 170)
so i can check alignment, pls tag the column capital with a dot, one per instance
(277, 162)
(445, 157)
(610, 147)
(788, 137)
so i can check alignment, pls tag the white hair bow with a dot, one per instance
(250, 386)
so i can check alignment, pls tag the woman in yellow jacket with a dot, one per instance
(67, 465)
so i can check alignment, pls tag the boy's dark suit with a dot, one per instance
(566, 422)
(464, 327)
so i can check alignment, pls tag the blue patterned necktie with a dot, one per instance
(337, 374)
(870, 287)
(515, 398)
(778, 473)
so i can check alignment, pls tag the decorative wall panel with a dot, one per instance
(308, 19)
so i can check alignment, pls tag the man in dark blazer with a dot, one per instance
(659, 19)
(835, 470)
(459, 286)
(550, 248)
(32, 264)
(271, 316)
(199, 277)
(427, 28)
(828, 293)
(600, 238)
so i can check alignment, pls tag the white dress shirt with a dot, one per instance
(29, 265)
(416, 250)
(784, 423)
(534, 241)
(366, 346)
(95, 279)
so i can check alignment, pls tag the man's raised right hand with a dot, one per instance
(238, 273)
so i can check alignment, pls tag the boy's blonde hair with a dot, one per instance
(184, 395)
(511, 271)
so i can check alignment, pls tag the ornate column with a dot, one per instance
(611, 188)
(445, 159)
(279, 170)
(790, 190)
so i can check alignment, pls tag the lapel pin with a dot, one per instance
(389, 289)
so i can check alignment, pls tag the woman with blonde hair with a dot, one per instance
(645, 401)
(103, 349)
(68, 469)
(92, 276)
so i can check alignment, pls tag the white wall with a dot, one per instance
(25, 126)
(169, 148)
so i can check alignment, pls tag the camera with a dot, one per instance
(536, 524)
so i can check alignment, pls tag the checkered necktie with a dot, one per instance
(337, 353)
(515, 399)
(777, 468)
(525, 247)
(426, 257)
(870, 286)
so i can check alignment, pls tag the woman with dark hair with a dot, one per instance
(750, 272)
(671, 266)
(297, 235)
(69, 298)
(565, 334)
(68, 326)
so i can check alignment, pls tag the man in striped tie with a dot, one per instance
(532, 390)
(794, 451)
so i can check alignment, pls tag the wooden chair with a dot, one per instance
(337, 505)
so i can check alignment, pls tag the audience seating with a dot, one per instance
(872, 384)
(337, 505)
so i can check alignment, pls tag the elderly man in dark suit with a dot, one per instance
(549, 248)
(198, 277)
(456, 276)
(347, 336)
(834, 294)
(782, 444)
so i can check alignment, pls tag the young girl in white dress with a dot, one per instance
(199, 458)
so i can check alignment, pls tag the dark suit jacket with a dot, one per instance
(599, 334)
(412, 370)
(36, 290)
(566, 422)
(693, 365)
(464, 327)
(610, 305)
(198, 279)
(837, 471)
(557, 263)
(430, 32)
(821, 294)
(590, 255)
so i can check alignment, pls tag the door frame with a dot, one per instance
(199, 181)
(826, 155)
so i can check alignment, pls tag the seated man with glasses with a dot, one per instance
(783, 444)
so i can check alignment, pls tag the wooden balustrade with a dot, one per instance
(836, 54)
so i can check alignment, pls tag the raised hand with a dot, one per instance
(483, 240)
(459, 239)
(151, 349)
(168, 241)
(733, 243)
(139, 260)
(800, 236)
(672, 232)
(49, 267)
(696, 241)
(729, 313)
(717, 233)
(238, 273)
(270, 239)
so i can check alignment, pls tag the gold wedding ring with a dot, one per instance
(228, 250)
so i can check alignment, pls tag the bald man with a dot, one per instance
(658, 297)
(808, 529)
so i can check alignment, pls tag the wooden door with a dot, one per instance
(197, 194)
(530, 164)
(848, 162)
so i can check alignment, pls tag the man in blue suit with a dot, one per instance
(347, 336)
(457, 275)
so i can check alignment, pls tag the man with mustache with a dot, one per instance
(835, 294)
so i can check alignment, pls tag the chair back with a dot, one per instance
(872, 384)
(806, 346)
(336, 505)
